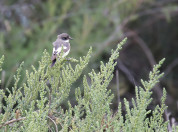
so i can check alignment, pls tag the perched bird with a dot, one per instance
(61, 41)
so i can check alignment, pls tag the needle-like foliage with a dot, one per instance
(36, 106)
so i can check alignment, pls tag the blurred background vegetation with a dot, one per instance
(27, 27)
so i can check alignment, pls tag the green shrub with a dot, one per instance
(36, 106)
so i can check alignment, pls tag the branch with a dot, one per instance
(54, 123)
(23, 118)
(12, 121)
(127, 73)
(151, 11)
(144, 47)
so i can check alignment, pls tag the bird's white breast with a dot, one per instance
(66, 53)
(59, 50)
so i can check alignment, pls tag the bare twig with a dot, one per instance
(12, 121)
(149, 56)
(151, 11)
(50, 130)
(127, 73)
(54, 123)
(144, 47)
(157, 90)
(23, 118)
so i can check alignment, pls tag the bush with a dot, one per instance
(36, 106)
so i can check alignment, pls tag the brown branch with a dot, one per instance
(23, 118)
(127, 73)
(144, 47)
(150, 58)
(157, 90)
(12, 121)
(54, 123)
(151, 11)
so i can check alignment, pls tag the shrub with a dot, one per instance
(36, 106)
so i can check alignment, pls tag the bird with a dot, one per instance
(62, 41)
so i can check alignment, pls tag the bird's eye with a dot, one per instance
(64, 38)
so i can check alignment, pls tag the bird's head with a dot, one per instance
(64, 37)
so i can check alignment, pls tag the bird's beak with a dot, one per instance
(70, 38)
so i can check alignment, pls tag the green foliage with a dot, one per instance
(37, 104)
(32, 27)
(136, 117)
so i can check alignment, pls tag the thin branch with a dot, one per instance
(23, 118)
(150, 11)
(127, 73)
(150, 58)
(54, 123)
(50, 130)
(144, 47)
(12, 121)
(152, 61)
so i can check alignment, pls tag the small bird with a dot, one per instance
(61, 41)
